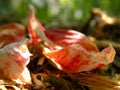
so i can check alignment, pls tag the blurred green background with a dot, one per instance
(55, 13)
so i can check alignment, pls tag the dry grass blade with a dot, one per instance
(95, 80)
(7, 82)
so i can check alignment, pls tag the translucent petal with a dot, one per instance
(75, 58)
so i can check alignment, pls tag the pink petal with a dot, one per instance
(75, 58)
(37, 33)
(33, 24)
(65, 38)
(77, 54)
(10, 33)
(106, 56)
(13, 59)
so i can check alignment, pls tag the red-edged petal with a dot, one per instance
(34, 24)
(75, 58)
(10, 33)
(65, 38)
(37, 33)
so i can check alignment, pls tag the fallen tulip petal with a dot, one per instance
(65, 38)
(24, 77)
(75, 58)
(37, 33)
(56, 37)
(76, 53)
(106, 56)
(13, 59)
(10, 33)
(35, 28)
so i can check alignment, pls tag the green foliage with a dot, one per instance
(64, 12)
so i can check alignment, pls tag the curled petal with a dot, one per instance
(10, 33)
(75, 58)
(57, 38)
(35, 28)
(13, 59)
(106, 56)
(25, 77)
(65, 38)
(76, 52)
(37, 33)
(69, 58)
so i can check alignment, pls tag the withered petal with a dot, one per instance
(10, 33)
(75, 58)
(65, 38)
(13, 59)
